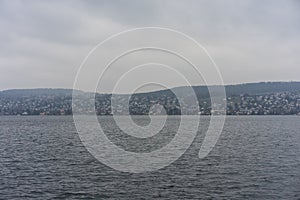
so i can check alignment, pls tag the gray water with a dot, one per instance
(255, 158)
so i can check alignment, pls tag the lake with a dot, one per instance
(256, 157)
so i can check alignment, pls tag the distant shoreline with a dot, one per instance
(271, 98)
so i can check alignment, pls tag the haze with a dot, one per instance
(44, 42)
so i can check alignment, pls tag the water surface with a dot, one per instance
(256, 157)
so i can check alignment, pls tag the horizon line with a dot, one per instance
(231, 84)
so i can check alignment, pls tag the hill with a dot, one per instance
(250, 98)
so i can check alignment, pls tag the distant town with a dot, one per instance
(248, 99)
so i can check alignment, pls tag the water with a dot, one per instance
(255, 158)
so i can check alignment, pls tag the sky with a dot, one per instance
(43, 43)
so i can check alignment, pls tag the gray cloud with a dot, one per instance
(44, 42)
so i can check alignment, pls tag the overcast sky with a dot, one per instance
(44, 42)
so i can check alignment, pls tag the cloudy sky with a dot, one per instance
(44, 42)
